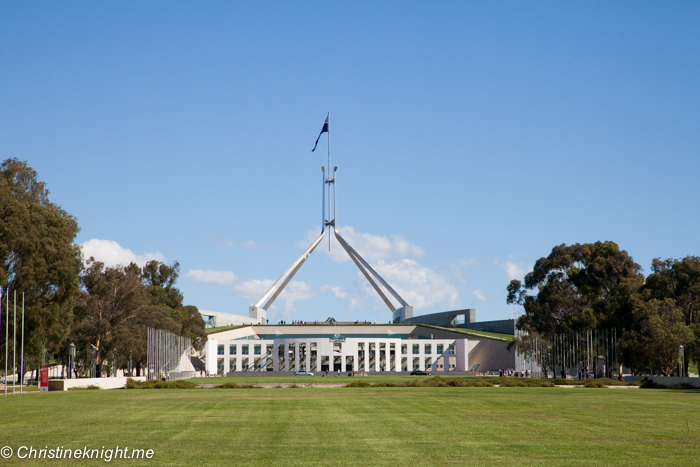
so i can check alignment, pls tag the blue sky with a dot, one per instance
(470, 138)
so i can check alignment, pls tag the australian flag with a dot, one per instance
(323, 130)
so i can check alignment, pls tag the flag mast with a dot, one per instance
(259, 309)
(329, 177)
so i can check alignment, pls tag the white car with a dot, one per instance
(303, 373)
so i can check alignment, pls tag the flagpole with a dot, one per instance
(1, 318)
(14, 349)
(21, 363)
(7, 335)
(329, 176)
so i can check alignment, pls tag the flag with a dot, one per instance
(323, 130)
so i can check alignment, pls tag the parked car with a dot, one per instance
(303, 373)
(420, 373)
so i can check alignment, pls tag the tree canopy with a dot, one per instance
(597, 285)
(38, 257)
(578, 287)
(108, 307)
(116, 305)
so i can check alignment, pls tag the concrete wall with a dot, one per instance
(228, 319)
(489, 354)
(325, 329)
(232, 333)
(503, 326)
(666, 380)
(444, 318)
(117, 382)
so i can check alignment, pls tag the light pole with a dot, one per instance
(681, 362)
(130, 368)
(71, 361)
(94, 361)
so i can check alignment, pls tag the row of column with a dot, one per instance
(326, 349)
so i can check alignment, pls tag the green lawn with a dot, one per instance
(263, 378)
(370, 426)
(225, 328)
(470, 332)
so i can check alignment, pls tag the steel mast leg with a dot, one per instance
(258, 310)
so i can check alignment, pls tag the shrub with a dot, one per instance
(436, 382)
(650, 384)
(158, 384)
(683, 386)
(358, 384)
(228, 386)
(595, 384)
(232, 385)
(82, 388)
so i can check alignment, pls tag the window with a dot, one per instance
(428, 363)
(416, 349)
(244, 365)
(232, 365)
(244, 350)
(452, 349)
(220, 350)
(232, 349)
(404, 349)
(428, 349)
(439, 349)
(314, 356)
(292, 358)
(220, 366)
(256, 349)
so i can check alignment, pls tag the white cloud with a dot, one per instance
(111, 253)
(468, 263)
(339, 292)
(220, 243)
(250, 244)
(420, 286)
(212, 277)
(252, 289)
(513, 271)
(294, 292)
(225, 244)
(482, 297)
(373, 248)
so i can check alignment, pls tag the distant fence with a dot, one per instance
(168, 356)
(590, 353)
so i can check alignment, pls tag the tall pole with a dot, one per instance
(1, 319)
(7, 336)
(323, 200)
(329, 176)
(335, 192)
(21, 363)
(14, 348)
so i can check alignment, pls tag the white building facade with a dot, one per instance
(321, 353)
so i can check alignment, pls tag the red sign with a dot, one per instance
(44, 379)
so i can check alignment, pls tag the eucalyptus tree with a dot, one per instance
(679, 279)
(37, 257)
(578, 287)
